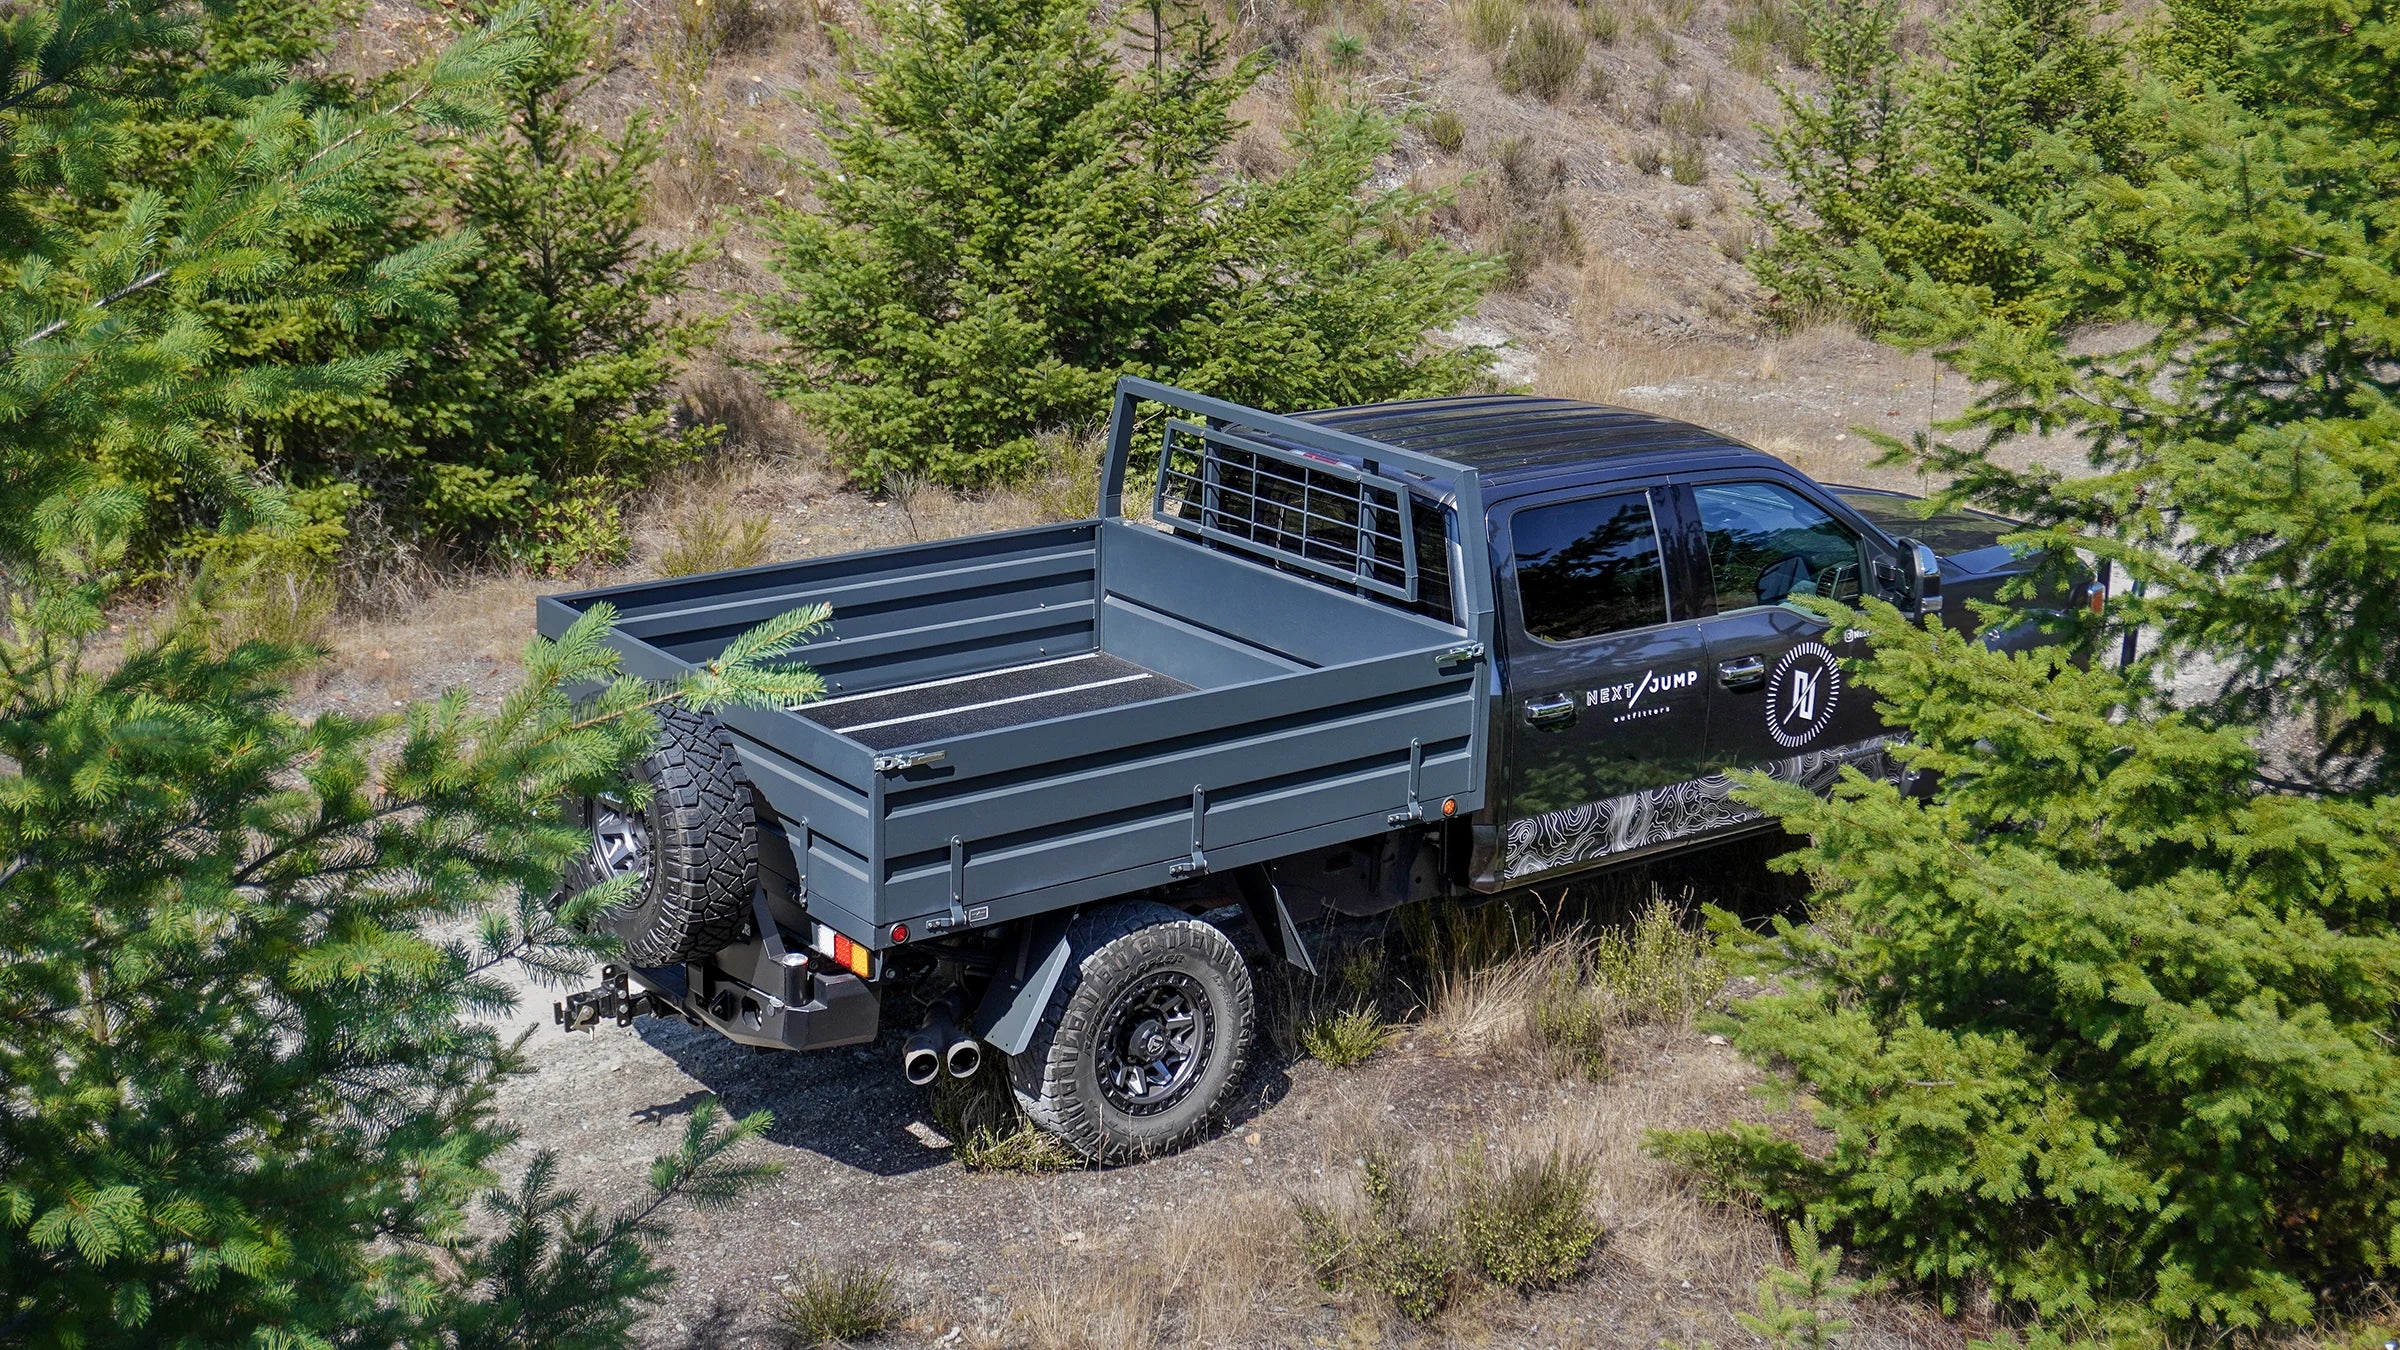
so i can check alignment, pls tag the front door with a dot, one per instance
(1779, 698)
(1607, 696)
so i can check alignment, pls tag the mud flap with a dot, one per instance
(1263, 903)
(1012, 1006)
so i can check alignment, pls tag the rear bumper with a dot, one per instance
(751, 997)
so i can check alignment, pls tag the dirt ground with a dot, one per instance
(1200, 1249)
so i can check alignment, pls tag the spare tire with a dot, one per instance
(695, 843)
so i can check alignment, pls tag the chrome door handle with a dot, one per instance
(1742, 672)
(1556, 711)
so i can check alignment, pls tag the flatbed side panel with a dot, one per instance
(1156, 782)
(795, 582)
(914, 613)
(1268, 748)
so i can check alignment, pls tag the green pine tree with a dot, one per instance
(1007, 222)
(245, 958)
(526, 394)
(1957, 165)
(2107, 1025)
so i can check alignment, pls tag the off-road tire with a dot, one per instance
(701, 858)
(1120, 950)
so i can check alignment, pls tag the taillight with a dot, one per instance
(851, 956)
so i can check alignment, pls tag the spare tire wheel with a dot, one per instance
(695, 842)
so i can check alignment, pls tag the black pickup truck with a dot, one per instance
(1332, 663)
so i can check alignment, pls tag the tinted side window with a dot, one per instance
(1768, 543)
(1588, 567)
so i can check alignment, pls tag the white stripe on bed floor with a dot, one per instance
(990, 703)
(814, 704)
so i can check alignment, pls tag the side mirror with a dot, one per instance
(1921, 577)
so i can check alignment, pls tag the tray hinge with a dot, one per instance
(1415, 810)
(1198, 862)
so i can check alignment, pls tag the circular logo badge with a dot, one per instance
(1801, 694)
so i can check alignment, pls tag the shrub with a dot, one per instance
(1763, 30)
(1570, 1020)
(1659, 970)
(1544, 58)
(1600, 20)
(1491, 23)
(1522, 1223)
(1446, 131)
(928, 322)
(1344, 51)
(1343, 1039)
(1694, 114)
(1390, 1250)
(710, 540)
(1525, 245)
(1647, 157)
(1687, 163)
(821, 1307)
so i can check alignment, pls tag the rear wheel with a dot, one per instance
(1145, 1037)
(694, 844)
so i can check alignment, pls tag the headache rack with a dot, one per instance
(1291, 508)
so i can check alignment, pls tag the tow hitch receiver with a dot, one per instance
(613, 1001)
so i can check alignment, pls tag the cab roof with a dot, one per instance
(1513, 437)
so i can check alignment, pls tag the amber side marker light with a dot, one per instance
(1449, 806)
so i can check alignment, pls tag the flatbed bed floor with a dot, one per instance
(910, 714)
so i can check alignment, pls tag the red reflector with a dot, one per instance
(899, 932)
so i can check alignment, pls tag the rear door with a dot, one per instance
(1779, 699)
(1606, 694)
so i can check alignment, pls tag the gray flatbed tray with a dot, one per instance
(1020, 722)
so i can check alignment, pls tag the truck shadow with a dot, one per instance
(849, 1106)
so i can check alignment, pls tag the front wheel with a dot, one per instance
(1145, 1036)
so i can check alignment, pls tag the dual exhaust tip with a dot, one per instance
(938, 1048)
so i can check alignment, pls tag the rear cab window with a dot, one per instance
(1588, 567)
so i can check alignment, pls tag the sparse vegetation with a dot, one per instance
(1601, 22)
(1647, 157)
(1544, 57)
(1687, 162)
(712, 539)
(989, 1133)
(1489, 24)
(1517, 1223)
(1446, 131)
(819, 1307)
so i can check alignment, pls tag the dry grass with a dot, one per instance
(1202, 1278)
